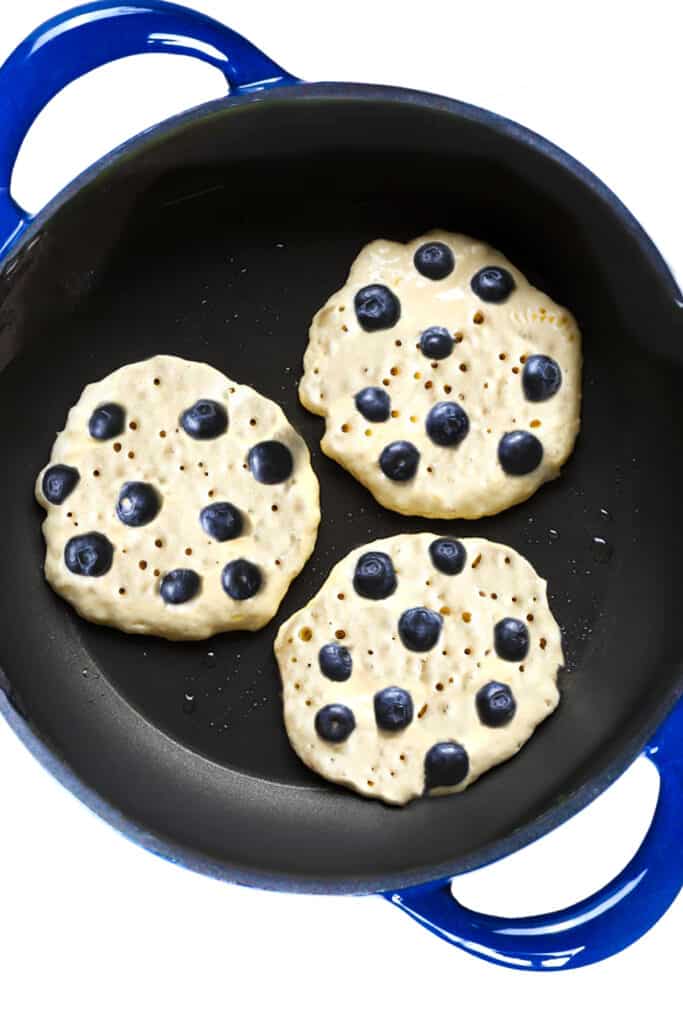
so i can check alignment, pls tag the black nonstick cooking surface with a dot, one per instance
(216, 238)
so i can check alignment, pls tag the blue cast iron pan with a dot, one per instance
(215, 236)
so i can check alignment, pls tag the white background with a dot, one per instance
(93, 928)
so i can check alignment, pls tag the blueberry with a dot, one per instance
(374, 576)
(448, 555)
(221, 520)
(511, 639)
(419, 629)
(519, 452)
(434, 260)
(399, 460)
(179, 586)
(138, 504)
(446, 764)
(91, 554)
(496, 705)
(335, 723)
(447, 424)
(493, 284)
(107, 421)
(541, 378)
(58, 483)
(377, 308)
(436, 342)
(374, 404)
(393, 708)
(205, 420)
(270, 462)
(335, 662)
(241, 579)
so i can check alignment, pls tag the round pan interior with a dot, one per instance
(216, 238)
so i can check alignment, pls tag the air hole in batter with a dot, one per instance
(478, 317)
(306, 634)
(340, 634)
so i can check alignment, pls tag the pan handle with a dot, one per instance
(597, 927)
(84, 38)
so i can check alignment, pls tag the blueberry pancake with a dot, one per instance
(449, 385)
(421, 662)
(179, 503)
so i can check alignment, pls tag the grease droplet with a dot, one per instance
(553, 535)
(189, 703)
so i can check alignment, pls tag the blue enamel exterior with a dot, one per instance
(597, 927)
(87, 37)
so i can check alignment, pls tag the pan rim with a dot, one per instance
(344, 91)
(362, 885)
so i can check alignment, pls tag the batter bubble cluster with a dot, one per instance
(450, 386)
(172, 482)
(421, 662)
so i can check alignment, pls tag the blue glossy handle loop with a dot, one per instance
(599, 926)
(87, 37)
